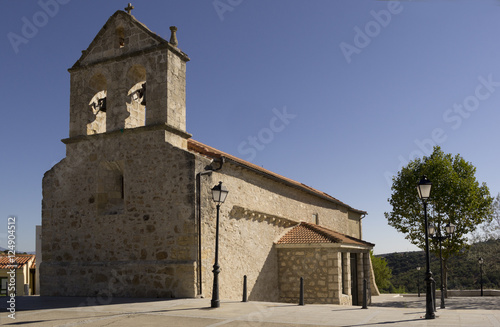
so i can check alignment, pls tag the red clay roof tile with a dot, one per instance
(20, 260)
(307, 233)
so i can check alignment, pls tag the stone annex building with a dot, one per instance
(128, 212)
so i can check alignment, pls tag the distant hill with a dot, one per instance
(6, 250)
(463, 269)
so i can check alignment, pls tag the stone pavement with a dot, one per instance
(386, 310)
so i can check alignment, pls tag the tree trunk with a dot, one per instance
(445, 275)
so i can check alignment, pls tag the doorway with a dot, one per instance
(354, 278)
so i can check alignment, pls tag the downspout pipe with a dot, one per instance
(208, 171)
(360, 227)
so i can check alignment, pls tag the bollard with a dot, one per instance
(245, 289)
(434, 295)
(365, 295)
(301, 299)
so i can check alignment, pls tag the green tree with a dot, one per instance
(383, 273)
(456, 198)
(490, 230)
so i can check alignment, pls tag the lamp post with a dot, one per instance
(481, 261)
(219, 193)
(436, 234)
(418, 281)
(424, 190)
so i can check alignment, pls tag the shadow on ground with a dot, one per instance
(27, 303)
(452, 303)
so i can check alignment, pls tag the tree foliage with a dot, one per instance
(382, 273)
(456, 198)
(466, 269)
(490, 230)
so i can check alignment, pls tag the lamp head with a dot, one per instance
(424, 188)
(450, 228)
(219, 193)
(432, 229)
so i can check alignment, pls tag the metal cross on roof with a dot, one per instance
(129, 8)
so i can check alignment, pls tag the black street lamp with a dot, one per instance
(436, 234)
(424, 191)
(219, 193)
(481, 261)
(418, 281)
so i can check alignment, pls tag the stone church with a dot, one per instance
(128, 212)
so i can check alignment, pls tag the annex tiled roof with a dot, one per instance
(20, 259)
(213, 153)
(307, 233)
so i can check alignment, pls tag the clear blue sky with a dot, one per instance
(366, 85)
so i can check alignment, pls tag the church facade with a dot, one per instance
(128, 212)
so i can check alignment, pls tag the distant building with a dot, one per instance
(129, 212)
(24, 266)
(38, 236)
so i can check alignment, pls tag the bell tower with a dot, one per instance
(129, 77)
(118, 210)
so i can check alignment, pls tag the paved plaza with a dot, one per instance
(386, 310)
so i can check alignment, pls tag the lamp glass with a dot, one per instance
(424, 188)
(219, 193)
(481, 260)
(432, 229)
(450, 228)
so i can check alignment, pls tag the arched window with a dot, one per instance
(137, 95)
(97, 105)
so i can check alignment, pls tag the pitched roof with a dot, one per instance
(20, 261)
(213, 153)
(307, 233)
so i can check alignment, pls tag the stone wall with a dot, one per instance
(326, 272)
(320, 269)
(257, 212)
(147, 248)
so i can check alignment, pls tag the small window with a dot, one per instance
(110, 189)
(120, 37)
(316, 218)
(3, 285)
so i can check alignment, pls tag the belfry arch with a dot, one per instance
(97, 89)
(136, 97)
